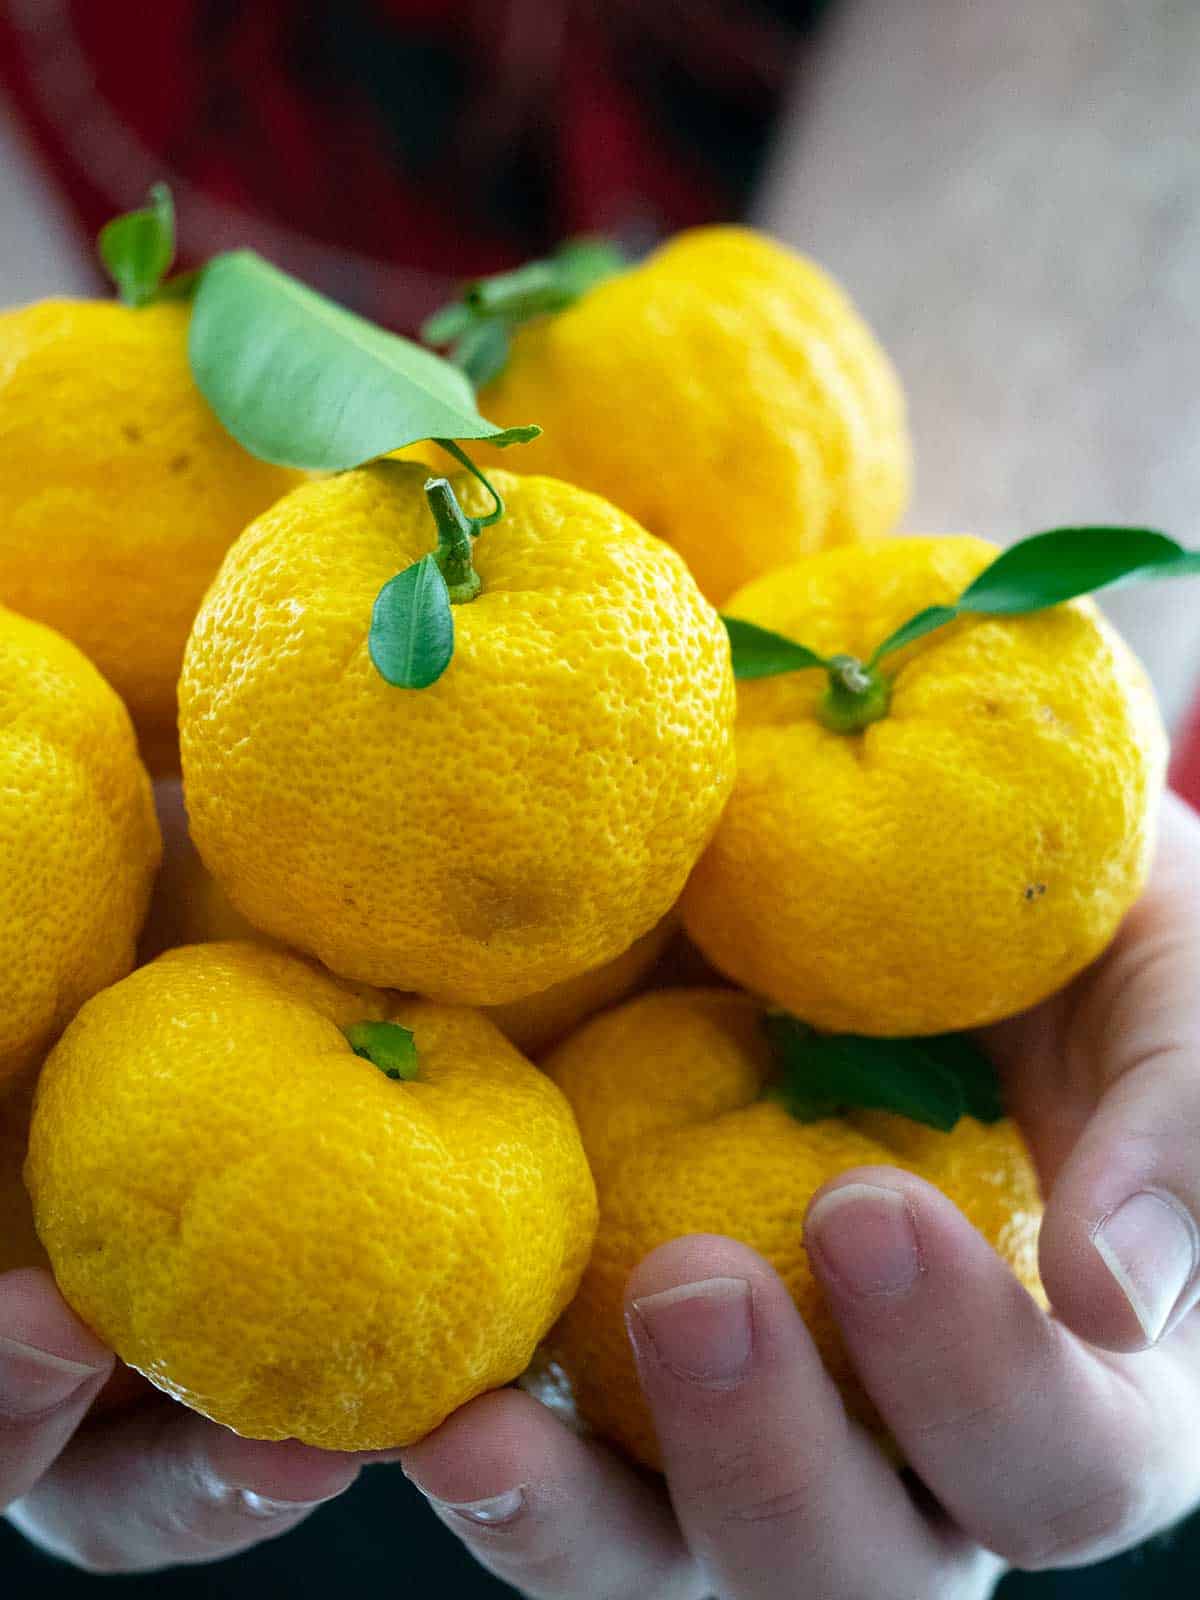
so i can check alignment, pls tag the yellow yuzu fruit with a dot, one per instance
(520, 821)
(78, 841)
(725, 393)
(119, 491)
(963, 857)
(279, 1235)
(668, 1092)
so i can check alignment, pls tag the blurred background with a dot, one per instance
(1011, 193)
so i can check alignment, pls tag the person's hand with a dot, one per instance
(140, 1483)
(1037, 1441)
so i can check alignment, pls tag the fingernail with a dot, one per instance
(703, 1331)
(865, 1236)
(263, 1505)
(489, 1513)
(33, 1380)
(1150, 1246)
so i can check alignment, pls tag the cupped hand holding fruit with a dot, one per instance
(1042, 1450)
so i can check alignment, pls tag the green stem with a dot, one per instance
(460, 455)
(456, 535)
(527, 291)
(857, 695)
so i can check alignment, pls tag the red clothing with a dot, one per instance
(385, 149)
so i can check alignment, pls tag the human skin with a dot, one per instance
(1034, 1440)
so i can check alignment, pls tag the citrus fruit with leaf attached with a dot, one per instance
(524, 816)
(705, 1143)
(725, 392)
(303, 1207)
(119, 491)
(19, 1243)
(943, 837)
(78, 841)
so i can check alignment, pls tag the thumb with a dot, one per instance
(1120, 1246)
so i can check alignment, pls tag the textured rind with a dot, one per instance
(691, 1148)
(726, 394)
(79, 844)
(523, 819)
(964, 857)
(190, 907)
(119, 491)
(542, 1019)
(280, 1236)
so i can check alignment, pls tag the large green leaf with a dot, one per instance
(301, 381)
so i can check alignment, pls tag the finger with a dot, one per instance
(51, 1369)
(1045, 1451)
(776, 1491)
(1120, 1246)
(550, 1513)
(165, 1486)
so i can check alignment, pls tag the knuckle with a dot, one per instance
(742, 1491)
(1106, 1510)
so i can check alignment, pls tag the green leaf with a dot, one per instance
(138, 248)
(1048, 568)
(412, 627)
(759, 653)
(479, 327)
(387, 1046)
(301, 381)
(934, 1081)
(1052, 567)
(481, 352)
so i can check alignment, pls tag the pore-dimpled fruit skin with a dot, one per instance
(520, 821)
(79, 843)
(727, 394)
(278, 1234)
(668, 1091)
(965, 856)
(119, 491)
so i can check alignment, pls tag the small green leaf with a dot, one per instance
(301, 381)
(1049, 568)
(412, 627)
(934, 1081)
(1052, 567)
(479, 327)
(387, 1046)
(137, 249)
(481, 352)
(759, 653)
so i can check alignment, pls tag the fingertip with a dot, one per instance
(34, 1313)
(694, 1258)
(1121, 1276)
(281, 1473)
(486, 1449)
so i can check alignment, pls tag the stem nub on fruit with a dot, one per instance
(857, 695)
